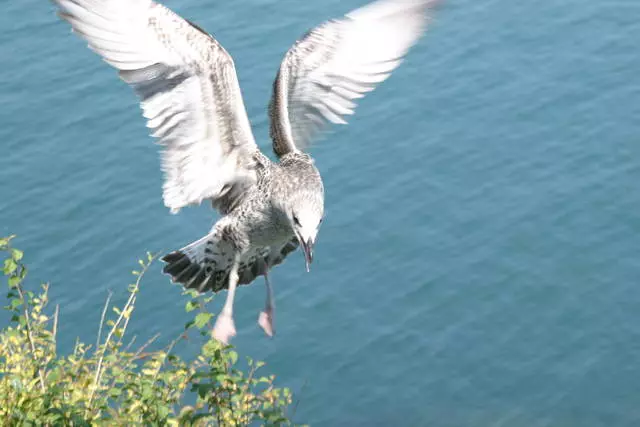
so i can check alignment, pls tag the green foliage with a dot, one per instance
(114, 384)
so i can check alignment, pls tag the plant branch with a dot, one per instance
(104, 314)
(54, 330)
(30, 337)
(130, 301)
(145, 345)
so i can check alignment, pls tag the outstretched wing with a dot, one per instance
(336, 63)
(189, 94)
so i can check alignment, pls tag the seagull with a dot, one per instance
(190, 95)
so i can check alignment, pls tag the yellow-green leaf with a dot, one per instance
(17, 254)
(202, 319)
(10, 266)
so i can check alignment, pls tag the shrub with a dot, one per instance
(112, 383)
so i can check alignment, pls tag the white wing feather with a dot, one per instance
(188, 89)
(337, 63)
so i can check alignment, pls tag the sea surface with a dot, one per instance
(479, 263)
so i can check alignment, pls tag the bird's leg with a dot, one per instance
(224, 328)
(265, 320)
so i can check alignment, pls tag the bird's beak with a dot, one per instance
(307, 249)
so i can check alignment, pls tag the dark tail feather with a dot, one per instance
(203, 265)
(186, 272)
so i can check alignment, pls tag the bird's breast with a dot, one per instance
(267, 226)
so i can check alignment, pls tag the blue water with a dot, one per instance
(479, 261)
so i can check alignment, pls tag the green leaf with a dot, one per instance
(233, 356)
(10, 266)
(14, 281)
(202, 389)
(15, 304)
(221, 378)
(6, 240)
(147, 392)
(17, 254)
(211, 349)
(53, 375)
(163, 412)
(188, 324)
(191, 293)
(202, 319)
(191, 305)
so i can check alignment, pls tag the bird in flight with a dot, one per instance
(190, 95)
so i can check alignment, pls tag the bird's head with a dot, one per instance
(305, 216)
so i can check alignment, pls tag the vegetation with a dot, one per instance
(112, 383)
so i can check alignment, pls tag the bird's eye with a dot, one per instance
(295, 221)
(321, 219)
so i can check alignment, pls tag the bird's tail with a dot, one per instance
(203, 265)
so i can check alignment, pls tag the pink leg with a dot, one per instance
(224, 328)
(265, 320)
